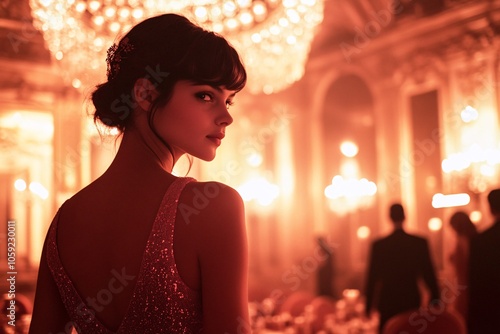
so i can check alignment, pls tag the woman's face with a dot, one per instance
(194, 120)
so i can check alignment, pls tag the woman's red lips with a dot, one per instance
(216, 138)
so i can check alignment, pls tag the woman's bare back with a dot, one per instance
(102, 235)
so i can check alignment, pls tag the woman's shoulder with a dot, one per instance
(210, 196)
(211, 203)
(84, 195)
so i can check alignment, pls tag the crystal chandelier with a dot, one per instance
(272, 36)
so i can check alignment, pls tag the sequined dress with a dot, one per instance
(161, 301)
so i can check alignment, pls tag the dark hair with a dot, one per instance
(462, 224)
(397, 213)
(164, 49)
(494, 201)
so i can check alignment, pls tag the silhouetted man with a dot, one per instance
(397, 262)
(484, 266)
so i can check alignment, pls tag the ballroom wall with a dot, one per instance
(391, 76)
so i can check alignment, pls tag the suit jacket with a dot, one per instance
(484, 281)
(396, 263)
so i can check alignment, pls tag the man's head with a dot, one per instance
(494, 201)
(397, 213)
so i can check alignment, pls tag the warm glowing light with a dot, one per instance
(259, 8)
(349, 149)
(350, 169)
(76, 83)
(480, 165)
(476, 216)
(350, 188)
(201, 12)
(256, 38)
(435, 224)
(124, 13)
(268, 89)
(260, 190)
(20, 185)
(475, 154)
(138, 13)
(255, 159)
(487, 170)
(244, 3)
(232, 24)
(469, 114)
(350, 194)
(454, 164)
(110, 11)
(80, 7)
(39, 190)
(33, 125)
(246, 18)
(94, 5)
(363, 232)
(447, 201)
(265, 32)
(350, 295)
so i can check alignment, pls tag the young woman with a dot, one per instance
(140, 250)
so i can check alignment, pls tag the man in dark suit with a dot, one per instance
(484, 279)
(397, 262)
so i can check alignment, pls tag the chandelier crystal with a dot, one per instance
(272, 36)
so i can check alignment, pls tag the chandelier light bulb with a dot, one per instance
(259, 8)
(244, 3)
(349, 149)
(20, 185)
(469, 114)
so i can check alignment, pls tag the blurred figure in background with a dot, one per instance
(484, 279)
(396, 263)
(325, 274)
(465, 230)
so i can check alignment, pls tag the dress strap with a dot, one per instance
(165, 220)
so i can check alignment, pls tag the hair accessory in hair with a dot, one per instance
(116, 53)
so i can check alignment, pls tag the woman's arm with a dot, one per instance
(223, 257)
(49, 314)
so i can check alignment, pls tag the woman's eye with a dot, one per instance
(229, 104)
(205, 97)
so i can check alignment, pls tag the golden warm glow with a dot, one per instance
(349, 149)
(266, 33)
(350, 194)
(38, 189)
(350, 188)
(20, 185)
(476, 216)
(363, 232)
(475, 154)
(469, 114)
(435, 224)
(447, 201)
(259, 189)
(32, 124)
(351, 295)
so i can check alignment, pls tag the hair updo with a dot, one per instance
(164, 49)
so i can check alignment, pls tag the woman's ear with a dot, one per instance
(144, 93)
